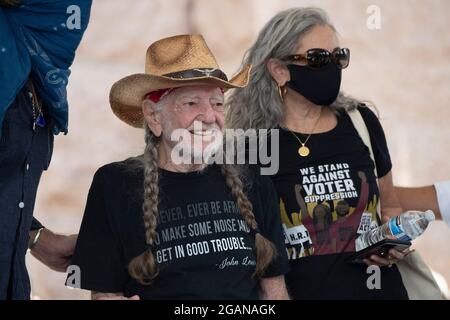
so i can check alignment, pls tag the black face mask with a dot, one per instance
(320, 86)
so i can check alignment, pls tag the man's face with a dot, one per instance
(199, 112)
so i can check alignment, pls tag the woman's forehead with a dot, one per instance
(320, 36)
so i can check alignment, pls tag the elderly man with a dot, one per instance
(158, 228)
(38, 40)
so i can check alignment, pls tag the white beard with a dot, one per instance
(189, 148)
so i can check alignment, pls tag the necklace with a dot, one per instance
(38, 116)
(304, 151)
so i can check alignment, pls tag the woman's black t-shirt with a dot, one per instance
(203, 247)
(326, 200)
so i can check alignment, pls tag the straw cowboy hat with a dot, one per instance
(173, 62)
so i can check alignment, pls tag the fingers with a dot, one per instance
(379, 261)
(385, 217)
(393, 257)
(396, 255)
(407, 252)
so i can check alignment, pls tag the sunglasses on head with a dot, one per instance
(317, 58)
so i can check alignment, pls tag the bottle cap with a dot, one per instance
(429, 215)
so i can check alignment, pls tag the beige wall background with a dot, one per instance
(403, 68)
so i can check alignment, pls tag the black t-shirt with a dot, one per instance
(326, 200)
(204, 248)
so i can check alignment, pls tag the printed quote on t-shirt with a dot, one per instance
(213, 230)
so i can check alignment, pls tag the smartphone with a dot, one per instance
(380, 249)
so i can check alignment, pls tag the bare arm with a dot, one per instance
(390, 204)
(419, 198)
(111, 296)
(273, 288)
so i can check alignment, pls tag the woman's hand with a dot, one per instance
(393, 257)
(390, 207)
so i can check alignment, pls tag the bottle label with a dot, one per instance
(397, 230)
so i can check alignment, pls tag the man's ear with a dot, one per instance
(152, 117)
(278, 71)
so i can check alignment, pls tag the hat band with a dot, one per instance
(198, 73)
(157, 95)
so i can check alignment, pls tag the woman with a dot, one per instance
(326, 183)
(155, 228)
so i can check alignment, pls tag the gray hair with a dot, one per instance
(259, 106)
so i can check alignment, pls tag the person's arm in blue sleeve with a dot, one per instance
(56, 26)
(47, 34)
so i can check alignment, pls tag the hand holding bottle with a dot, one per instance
(407, 226)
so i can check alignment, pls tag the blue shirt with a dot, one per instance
(40, 37)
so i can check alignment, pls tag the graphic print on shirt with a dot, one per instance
(214, 229)
(325, 222)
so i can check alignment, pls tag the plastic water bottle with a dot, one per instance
(406, 227)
